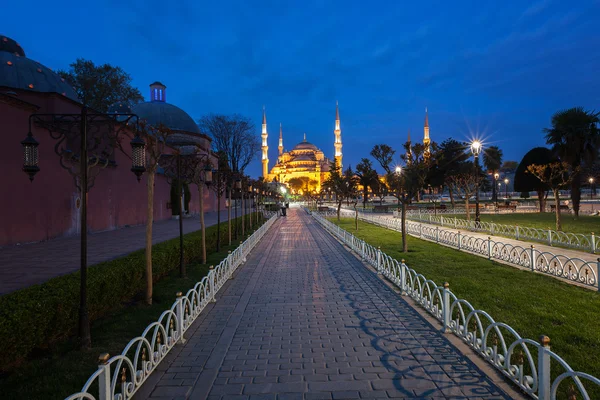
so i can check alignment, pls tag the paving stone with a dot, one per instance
(303, 318)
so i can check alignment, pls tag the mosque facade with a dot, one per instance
(305, 161)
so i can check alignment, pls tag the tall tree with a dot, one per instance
(465, 183)
(367, 176)
(527, 182)
(343, 185)
(450, 157)
(233, 135)
(575, 138)
(384, 155)
(492, 158)
(101, 86)
(557, 175)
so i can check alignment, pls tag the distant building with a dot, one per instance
(304, 161)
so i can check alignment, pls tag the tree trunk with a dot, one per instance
(243, 202)
(202, 226)
(467, 209)
(557, 201)
(355, 217)
(451, 194)
(365, 194)
(218, 221)
(576, 193)
(542, 200)
(339, 207)
(404, 242)
(149, 221)
(229, 216)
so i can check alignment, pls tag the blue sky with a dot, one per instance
(493, 69)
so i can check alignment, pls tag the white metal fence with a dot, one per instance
(550, 237)
(119, 377)
(525, 362)
(571, 269)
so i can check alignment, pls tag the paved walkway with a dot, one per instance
(35, 263)
(303, 318)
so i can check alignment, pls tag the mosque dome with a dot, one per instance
(19, 72)
(305, 146)
(158, 111)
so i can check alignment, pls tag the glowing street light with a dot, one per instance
(476, 149)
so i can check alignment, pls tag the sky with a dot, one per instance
(494, 70)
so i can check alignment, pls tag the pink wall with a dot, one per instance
(45, 208)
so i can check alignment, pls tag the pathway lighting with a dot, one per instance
(476, 149)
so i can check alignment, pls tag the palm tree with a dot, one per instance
(367, 177)
(575, 138)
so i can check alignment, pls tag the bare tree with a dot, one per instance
(556, 175)
(234, 136)
(464, 183)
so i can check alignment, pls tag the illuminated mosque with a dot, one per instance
(304, 161)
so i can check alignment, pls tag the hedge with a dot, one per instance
(41, 315)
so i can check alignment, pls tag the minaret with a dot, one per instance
(265, 147)
(338, 137)
(426, 140)
(408, 149)
(280, 141)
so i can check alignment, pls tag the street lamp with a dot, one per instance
(495, 194)
(238, 189)
(96, 135)
(476, 149)
(506, 188)
(592, 190)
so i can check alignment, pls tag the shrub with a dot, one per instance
(40, 315)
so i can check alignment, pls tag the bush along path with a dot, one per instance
(38, 323)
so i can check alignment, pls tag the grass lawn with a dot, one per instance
(64, 369)
(584, 224)
(531, 303)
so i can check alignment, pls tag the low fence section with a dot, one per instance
(551, 237)
(525, 362)
(572, 269)
(120, 377)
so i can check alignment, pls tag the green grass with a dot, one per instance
(64, 369)
(584, 224)
(531, 303)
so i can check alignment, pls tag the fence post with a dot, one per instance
(442, 220)
(378, 260)
(403, 269)
(532, 258)
(104, 392)
(458, 240)
(598, 272)
(437, 234)
(593, 243)
(492, 229)
(421, 230)
(229, 267)
(362, 249)
(455, 220)
(446, 308)
(429, 218)
(180, 316)
(211, 280)
(544, 368)
(243, 252)
(489, 248)
(517, 232)
(549, 237)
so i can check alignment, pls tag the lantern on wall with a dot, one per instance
(138, 156)
(30, 156)
(238, 184)
(208, 175)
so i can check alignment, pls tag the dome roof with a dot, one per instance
(305, 146)
(157, 112)
(19, 72)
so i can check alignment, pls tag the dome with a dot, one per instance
(19, 72)
(305, 146)
(156, 112)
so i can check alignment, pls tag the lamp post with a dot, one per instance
(96, 135)
(250, 200)
(238, 189)
(506, 188)
(592, 190)
(495, 194)
(476, 149)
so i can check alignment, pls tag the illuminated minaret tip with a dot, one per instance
(280, 147)
(265, 147)
(338, 137)
(426, 139)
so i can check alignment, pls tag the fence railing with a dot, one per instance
(550, 237)
(119, 377)
(525, 362)
(571, 269)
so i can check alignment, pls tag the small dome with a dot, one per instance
(19, 72)
(305, 146)
(173, 117)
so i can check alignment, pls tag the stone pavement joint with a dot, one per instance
(304, 319)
